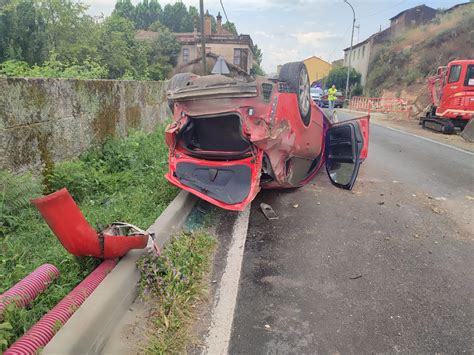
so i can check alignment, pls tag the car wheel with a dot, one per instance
(180, 80)
(296, 76)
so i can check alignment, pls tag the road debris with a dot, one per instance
(268, 211)
(381, 203)
(435, 210)
(355, 277)
(470, 198)
(296, 205)
(440, 198)
(267, 326)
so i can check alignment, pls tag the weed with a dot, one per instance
(175, 281)
(123, 179)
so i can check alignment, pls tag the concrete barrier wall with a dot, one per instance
(43, 121)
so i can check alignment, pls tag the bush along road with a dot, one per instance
(120, 180)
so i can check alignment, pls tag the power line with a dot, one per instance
(225, 13)
(384, 10)
(339, 43)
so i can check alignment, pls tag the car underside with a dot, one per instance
(230, 138)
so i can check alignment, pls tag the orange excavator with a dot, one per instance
(452, 97)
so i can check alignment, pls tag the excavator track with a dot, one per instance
(438, 125)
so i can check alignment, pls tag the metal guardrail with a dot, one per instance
(381, 104)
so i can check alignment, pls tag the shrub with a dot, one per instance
(121, 179)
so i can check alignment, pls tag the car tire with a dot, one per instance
(296, 76)
(180, 80)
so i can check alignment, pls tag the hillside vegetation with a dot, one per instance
(400, 68)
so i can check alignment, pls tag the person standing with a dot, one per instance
(332, 96)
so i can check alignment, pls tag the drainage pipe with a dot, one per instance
(30, 287)
(43, 331)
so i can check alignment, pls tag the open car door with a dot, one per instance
(347, 146)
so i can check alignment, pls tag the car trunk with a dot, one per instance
(215, 161)
(216, 137)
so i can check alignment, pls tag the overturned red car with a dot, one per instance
(229, 138)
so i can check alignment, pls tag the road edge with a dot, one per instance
(88, 329)
(219, 334)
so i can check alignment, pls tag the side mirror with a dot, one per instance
(344, 144)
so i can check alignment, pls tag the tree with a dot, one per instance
(177, 18)
(230, 26)
(141, 15)
(22, 32)
(117, 46)
(164, 52)
(154, 12)
(67, 24)
(338, 76)
(125, 9)
(257, 57)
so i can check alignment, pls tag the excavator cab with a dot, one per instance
(452, 96)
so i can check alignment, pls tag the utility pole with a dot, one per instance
(203, 39)
(350, 50)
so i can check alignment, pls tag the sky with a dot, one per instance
(289, 31)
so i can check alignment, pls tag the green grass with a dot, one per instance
(121, 180)
(175, 281)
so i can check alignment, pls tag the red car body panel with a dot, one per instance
(280, 143)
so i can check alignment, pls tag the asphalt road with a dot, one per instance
(388, 267)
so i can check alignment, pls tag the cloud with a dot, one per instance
(281, 47)
(312, 37)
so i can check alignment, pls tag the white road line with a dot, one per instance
(426, 139)
(218, 339)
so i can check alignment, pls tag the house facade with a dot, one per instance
(236, 49)
(317, 68)
(363, 52)
(410, 18)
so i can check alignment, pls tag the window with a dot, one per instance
(454, 74)
(237, 54)
(469, 81)
(363, 51)
(241, 57)
(358, 53)
(185, 55)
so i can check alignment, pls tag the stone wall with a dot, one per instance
(48, 120)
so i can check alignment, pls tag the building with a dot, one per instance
(338, 63)
(236, 49)
(317, 68)
(363, 52)
(410, 18)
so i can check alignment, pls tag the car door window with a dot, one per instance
(346, 148)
